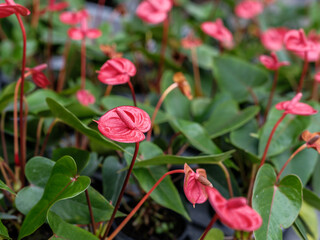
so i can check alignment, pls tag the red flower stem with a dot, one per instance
(269, 140)
(162, 52)
(290, 158)
(163, 96)
(39, 128)
(273, 88)
(122, 191)
(133, 93)
(4, 174)
(6, 166)
(108, 90)
(90, 212)
(196, 72)
(304, 72)
(24, 36)
(62, 73)
(47, 137)
(314, 95)
(227, 175)
(35, 15)
(83, 63)
(137, 207)
(250, 189)
(213, 220)
(3, 138)
(49, 46)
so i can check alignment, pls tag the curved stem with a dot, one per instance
(169, 149)
(133, 93)
(35, 15)
(304, 72)
(62, 73)
(250, 189)
(196, 72)
(122, 190)
(227, 175)
(269, 139)
(108, 90)
(290, 158)
(162, 52)
(47, 137)
(90, 212)
(49, 46)
(163, 96)
(137, 207)
(40, 123)
(213, 220)
(3, 137)
(274, 85)
(4, 174)
(83, 64)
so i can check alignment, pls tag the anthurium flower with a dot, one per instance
(194, 185)
(312, 139)
(296, 107)
(10, 7)
(218, 31)
(54, 7)
(296, 40)
(125, 124)
(313, 53)
(183, 84)
(272, 62)
(38, 77)
(191, 41)
(116, 71)
(248, 9)
(317, 77)
(154, 11)
(235, 212)
(272, 39)
(84, 31)
(85, 97)
(73, 18)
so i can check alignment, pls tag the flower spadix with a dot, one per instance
(312, 139)
(125, 124)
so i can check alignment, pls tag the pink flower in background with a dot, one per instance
(38, 77)
(73, 18)
(235, 212)
(190, 41)
(218, 31)
(10, 7)
(54, 7)
(248, 9)
(194, 185)
(296, 40)
(125, 124)
(272, 62)
(84, 31)
(116, 71)
(317, 77)
(272, 39)
(295, 107)
(313, 53)
(85, 97)
(154, 11)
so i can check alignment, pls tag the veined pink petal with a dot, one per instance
(218, 31)
(271, 62)
(295, 107)
(153, 11)
(272, 39)
(40, 79)
(295, 40)
(248, 9)
(7, 10)
(58, 6)
(93, 33)
(85, 97)
(76, 34)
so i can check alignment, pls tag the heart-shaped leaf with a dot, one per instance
(278, 204)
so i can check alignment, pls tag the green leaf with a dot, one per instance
(300, 229)
(62, 184)
(28, 197)
(63, 230)
(116, 101)
(316, 178)
(207, 54)
(237, 76)
(75, 210)
(277, 204)
(311, 198)
(80, 156)
(70, 119)
(196, 135)
(309, 218)
(5, 187)
(214, 234)
(179, 160)
(199, 11)
(4, 231)
(286, 135)
(112, 178)
(165, 194)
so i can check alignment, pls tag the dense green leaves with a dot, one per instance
(311, 198)
(4, 231)
(5, 187)
(278, 204)
(214, 234)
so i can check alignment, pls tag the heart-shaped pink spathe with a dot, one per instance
(194, 185)
(73, 18)
(235, 212)
(84, 31)
(313, 53)
(85, 97)
(116, 71)
(272, 62)
(272, 39)
(55, 7)
(10, 7)
(296, 40)
(248, 9)
(295, 107)
(125, 124)
(154, 11)
(38, 77)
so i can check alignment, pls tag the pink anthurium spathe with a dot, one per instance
(248, 9)
(154, 11)
(125, 124)
(38, 77)
(313, 54)
(54, 7)
(317, 77)
(272, 62)
(295, 107)
(73, 18)
(190, 41)
(10, 7)
(235, 212)
(116, 71)
(194, 185)
(272, 39)
(85, 97)
(296, 40)
(84, 31)
(218, 31)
